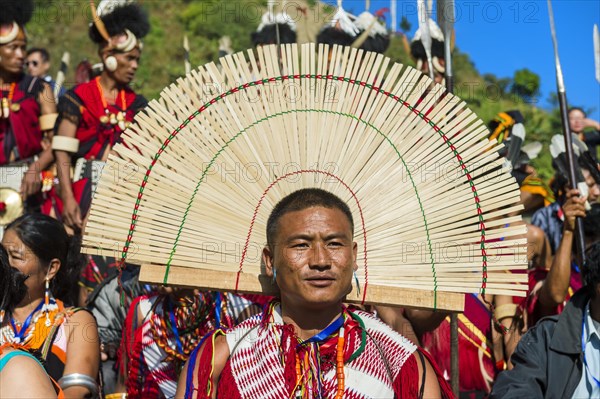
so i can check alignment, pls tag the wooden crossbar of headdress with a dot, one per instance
(189, 196)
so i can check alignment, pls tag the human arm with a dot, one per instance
(32, 182)
(587, 122)
(214, 346)
(83, 351)
(420, 378)
(527, 379)
(539, 252)
(394, 317)
(24, 377)
(512, 324)
(424, 321)
(71, 212)
(554, 289)
(428, 379)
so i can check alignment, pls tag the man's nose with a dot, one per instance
(320, 256)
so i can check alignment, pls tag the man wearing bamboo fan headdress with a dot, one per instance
(307, 344)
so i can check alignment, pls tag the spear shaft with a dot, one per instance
(564, 116)
(62, 73)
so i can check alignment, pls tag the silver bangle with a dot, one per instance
(81, 380)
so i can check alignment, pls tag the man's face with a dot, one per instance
(12, 54)
(127, 65)
(36, 66)
(314, 257)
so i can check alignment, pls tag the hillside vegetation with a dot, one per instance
(62, 26)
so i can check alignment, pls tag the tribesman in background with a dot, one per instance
(419, 55)
(27, 113)
(277, 28)
(364, 32)
(508, 128)
(92, 117)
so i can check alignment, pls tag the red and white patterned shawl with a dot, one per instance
(257, 369)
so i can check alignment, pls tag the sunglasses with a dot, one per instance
(32, 63)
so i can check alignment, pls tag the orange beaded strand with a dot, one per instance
(298, 372)
(341, 376)
(340, 365)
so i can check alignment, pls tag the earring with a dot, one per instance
(274, 276)
(111, 63)
(357, 283)
(46, 307)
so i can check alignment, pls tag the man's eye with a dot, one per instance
(300, 245)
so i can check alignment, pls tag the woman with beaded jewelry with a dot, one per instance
(27, 111)
(21, 374)
(93, 115)
(65, 338)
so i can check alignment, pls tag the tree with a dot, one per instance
(501, 83)
(405, 25)
(526, 85)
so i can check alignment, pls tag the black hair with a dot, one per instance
(47, 238)
(12, 283)
(332, 36)
(577, 109)
(19, 11)
(418, 50)
(591, 269)
(303, 199)
(561, 178)
(128, 16)
(268, 35)
(43, 53)
(591, 223)
(378, 43)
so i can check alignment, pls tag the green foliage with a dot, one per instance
(62, 26)
(526, 84)
(404, 24)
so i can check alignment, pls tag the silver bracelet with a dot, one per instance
(81, 380)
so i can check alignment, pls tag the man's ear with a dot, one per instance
(53, 268)
(267, 258)
(354, 255)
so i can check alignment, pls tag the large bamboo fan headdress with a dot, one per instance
(190, 194)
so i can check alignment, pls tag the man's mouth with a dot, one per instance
(320, 281)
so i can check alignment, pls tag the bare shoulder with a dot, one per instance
(431, 388)
(81, 316)
(17, 375)
(220, 355)
(82, 320)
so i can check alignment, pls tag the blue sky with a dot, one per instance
(507, 35)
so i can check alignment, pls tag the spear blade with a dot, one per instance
(597, 51)
(186, 48)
